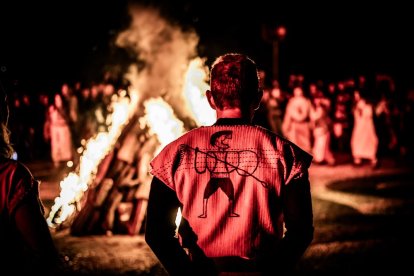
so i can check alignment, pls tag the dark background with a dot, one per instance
(43, 44)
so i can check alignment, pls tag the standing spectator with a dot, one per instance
(364, 140)
(60, 135)
(342, 117)
(26, 154)
(321, 125)
(263, 180)
(386, 125)
(70, 103)
(86, 115)
(276, 104)
(296, 123)
(42, 142)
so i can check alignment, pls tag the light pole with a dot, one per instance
(278, 35)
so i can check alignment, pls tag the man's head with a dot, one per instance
(234, 83)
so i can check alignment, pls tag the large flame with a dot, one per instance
(75, 184)
(162, 121)
(172, 89)
(161, 117)
(195, 87)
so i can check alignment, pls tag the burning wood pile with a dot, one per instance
(108, 194)
(117, 199)
(109, 190)
(93, 152)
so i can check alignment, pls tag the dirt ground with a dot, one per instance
(363, 226)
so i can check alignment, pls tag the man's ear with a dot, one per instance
(211, 100)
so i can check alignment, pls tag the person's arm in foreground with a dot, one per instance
(35, 232)
(298, 218)
(160, 229)
(31, 223)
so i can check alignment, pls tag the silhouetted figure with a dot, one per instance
(27, 246)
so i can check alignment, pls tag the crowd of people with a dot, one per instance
(368, 120)
(62, 120)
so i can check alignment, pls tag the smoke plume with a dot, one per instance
(163, 52)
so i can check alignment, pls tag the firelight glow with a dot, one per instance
(74, 185)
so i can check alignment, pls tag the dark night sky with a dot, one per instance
(48, 43)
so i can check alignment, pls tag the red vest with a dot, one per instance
(229, 179)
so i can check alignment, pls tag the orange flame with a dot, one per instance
(194, 89)
(162, 122)
(75, 184)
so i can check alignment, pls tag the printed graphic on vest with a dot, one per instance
(220, 161)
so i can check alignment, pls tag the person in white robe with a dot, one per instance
(60, 135)
(364, 140)
(296, 122)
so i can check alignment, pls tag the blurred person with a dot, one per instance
(331, 94)
(296, 122)
(15, 125)
(60, 134)
(342, 117)
(100, 108)
(321, 125)
(71, 104)
(387, 123)
(42, 140)
(86, 115)
(364, 140)
(276, 104)
(28, 124)
(26, 242)
(313, 90)
(243, 190)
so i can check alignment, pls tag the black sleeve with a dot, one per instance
(160, 229)
(298, 217)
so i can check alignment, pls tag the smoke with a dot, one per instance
(163, 52)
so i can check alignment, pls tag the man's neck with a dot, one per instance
(232, 113)
(231, 122)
